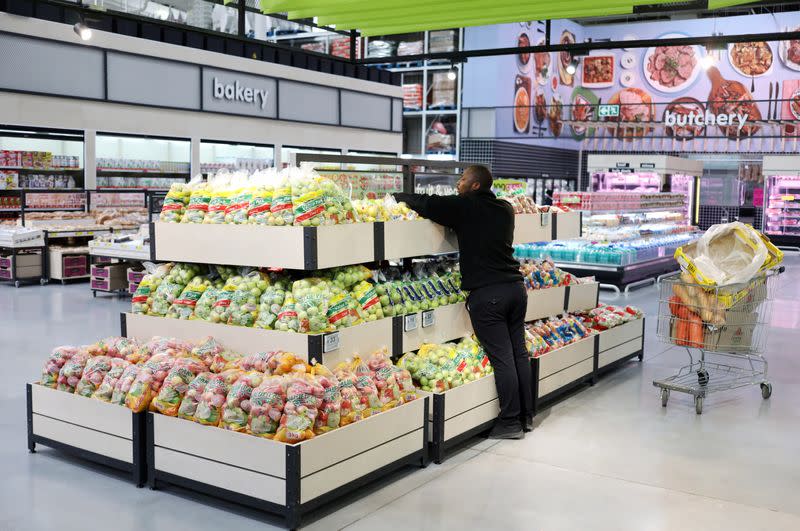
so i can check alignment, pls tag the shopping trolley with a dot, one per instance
(728, 327)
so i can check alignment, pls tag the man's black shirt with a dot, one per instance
(484, 226)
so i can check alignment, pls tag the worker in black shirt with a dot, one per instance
(497, 298)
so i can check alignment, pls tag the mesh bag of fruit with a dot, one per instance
(224, 360)
(172, 286)
(221, 310)
(303, 398)
(266, 407)
(237, 406)
(281, 208)
(329, 415)
(195, 388)
(209, 407)
(309, 201)
(352, 405)
(380, 367)
(221, 194)
(243, 310)
(70, 374)
(311, 296)
(259, 211)
(285, 363)
(148, 382)
(58, 357)
(176, 385)
(124, 384)
(340, 208)
(241, 195)
(198, 204)
(106, 389)
(287, 320)
(367, 297)
(257, 362)
(113, 346)
(271, 302)
(342, 309)
(96, 369)
(142, 299)
(348, 276)
(174, 205)
(184, 306)
(365, 385)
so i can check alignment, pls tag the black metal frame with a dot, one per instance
(439, 447)
(137, 469)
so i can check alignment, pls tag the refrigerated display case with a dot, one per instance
(128, 161)
(782, 200)
(648, 173)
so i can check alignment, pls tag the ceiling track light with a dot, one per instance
(82, 30)
(572, 67)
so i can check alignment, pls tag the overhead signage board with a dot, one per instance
(239, 93)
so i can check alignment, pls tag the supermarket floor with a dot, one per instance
(608, 457)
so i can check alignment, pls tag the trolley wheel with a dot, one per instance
(94, 294)
(16, 283)
(664, 397)
(698, 404)
(42, 281)
(766, 390)
(702, 377)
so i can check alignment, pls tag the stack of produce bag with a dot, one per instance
(142, 300)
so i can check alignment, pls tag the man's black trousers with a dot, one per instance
(498, 319)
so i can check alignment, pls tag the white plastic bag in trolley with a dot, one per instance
(730, 253)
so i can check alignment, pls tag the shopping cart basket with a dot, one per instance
(729, 322)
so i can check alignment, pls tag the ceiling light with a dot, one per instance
(572, 67)
(83, 31)
(706, 62)
(451, 75)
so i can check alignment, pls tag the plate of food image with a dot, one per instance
(635, 105)
(583, 109)
(671, 68)
(751, 59)
(681, 108)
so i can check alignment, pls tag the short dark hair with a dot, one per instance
(482, 175)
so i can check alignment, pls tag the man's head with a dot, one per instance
(473, 179)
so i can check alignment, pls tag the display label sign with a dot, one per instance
(330, 342)
(608, 110)
(648, 165)
(239, 93)
(623, 164)
(428, 318)
(410, 322)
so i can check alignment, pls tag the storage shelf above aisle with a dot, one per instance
(310, 248)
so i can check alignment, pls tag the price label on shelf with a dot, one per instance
(428, 318)
(410, 322)
(330, 342)
(787, 198)
(545, 218)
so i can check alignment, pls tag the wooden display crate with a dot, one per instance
(567, 225)
(563, 369)
(545, 302)
(531, 228)
(439, 325)
(305, 248)
(90, 429)
(419, 237)
(581, 297)
(66, 264)
(330, 348)
(461, 413)
(288, 480)
(620, 344)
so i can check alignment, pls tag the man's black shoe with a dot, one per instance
(527, 426)
(506, 432)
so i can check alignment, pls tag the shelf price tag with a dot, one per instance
(545, 218)
(428, 318)
(410, 322)
(330, 342)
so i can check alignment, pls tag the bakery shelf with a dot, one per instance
(90, 429)
(287, 480)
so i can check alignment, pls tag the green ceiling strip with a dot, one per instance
(717, 4)
(455, 22)
(407, 8)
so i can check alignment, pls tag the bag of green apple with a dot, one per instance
(243, 310)
(242, 194)
(347, 276)
(281, 208)
(311, 296)
(287, 320)
(397, 211)
(271, 302)
(221, 193)
(198, 204)
(172, 286)
(309, 202)
(143, 297)
(184, 306)
(341, 209)
(174, 206)
(367, 297)
(342, 309)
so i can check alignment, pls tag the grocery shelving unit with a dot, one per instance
(216, 155)
(125, 161)
(782, 200)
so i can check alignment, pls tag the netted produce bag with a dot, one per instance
(329, 414)
(106, 389)
(340, 208)
(365, 384)
(303, 399)
(470, 360)
(271, 302)
(124, 384)
(266, 406)
(281, 209)
(237, 404)
(174, 206)
(243, 310)
(193, 392)
(204, 306)
(257, 362)
(380, 367)
(309, 200)
(287, 316)
(221, 194)
(408, 391)
(397, 211)
(353, 405)
(414, 301)
(370, 210)
(159, 345)
(241, 195)
(93, 373)
(224, 360)
(311, 296)
(52, 367)
(176, 385)
(70, 374)
(142, 299)
(285, 363)
(113, 346)
(209, 407)
(184, 306)
(343, 310)
(365, 294)
(198, 204)
(259, 212)
(148, 382)
(172, 286)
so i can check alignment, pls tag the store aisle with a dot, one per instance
(608, 457)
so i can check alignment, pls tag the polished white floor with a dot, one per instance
(608, 458)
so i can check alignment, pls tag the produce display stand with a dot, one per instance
(619, 344)
(287, 480)
(103, 433)
(57, 268)
(17, 262)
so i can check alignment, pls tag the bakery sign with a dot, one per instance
(702, 119)
(239, 93)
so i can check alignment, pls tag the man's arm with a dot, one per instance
(445, 210)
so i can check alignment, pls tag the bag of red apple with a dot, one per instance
(148, 382)
(329, 415)
(58, 357)
(209, 407)
(365, 384)
(303, 398)
(193, 392)
(96, 369)
(380, 367)
(353, 404)
(124, 384)
(237, 403)
(176, 385)
(115, 347)
(266, 407)
(70, 374)
(106, 389)
(257, 362)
